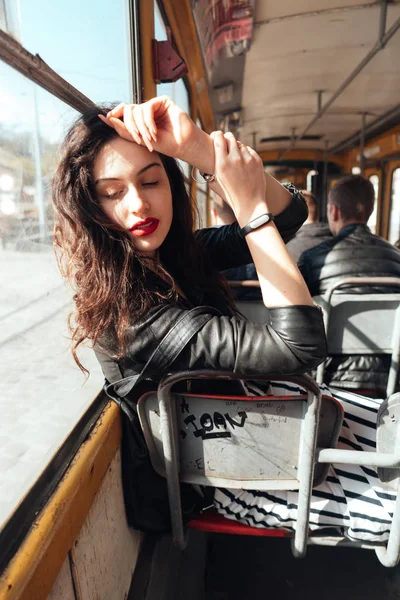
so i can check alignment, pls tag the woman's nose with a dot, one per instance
(136, 202)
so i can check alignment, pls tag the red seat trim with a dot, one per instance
(212, 521)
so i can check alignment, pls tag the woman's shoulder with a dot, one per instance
(141, 338)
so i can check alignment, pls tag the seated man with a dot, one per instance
(312, 233)
(353, 252)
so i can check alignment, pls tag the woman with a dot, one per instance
(124, 228)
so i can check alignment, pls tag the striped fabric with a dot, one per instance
(352, 498)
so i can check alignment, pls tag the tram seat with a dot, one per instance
(239, 442)
(261, 443)
(363, 323)
(355, 323)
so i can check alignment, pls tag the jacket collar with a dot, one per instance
(347, 229)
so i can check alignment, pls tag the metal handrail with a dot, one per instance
(383, 39)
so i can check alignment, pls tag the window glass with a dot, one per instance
(201, 204)
(43, 392)
(84, 42)
(176, 90)
(394, 223)
(374, 179)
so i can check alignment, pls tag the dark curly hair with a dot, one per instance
(107, 273)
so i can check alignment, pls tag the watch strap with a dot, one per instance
(256, 223)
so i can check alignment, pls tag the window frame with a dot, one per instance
(395, 167)
(20, 521)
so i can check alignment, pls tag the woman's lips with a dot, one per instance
(145, 227)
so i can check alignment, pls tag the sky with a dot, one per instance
(86, 42)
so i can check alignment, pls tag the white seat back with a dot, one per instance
(247, 443)
(363, 323)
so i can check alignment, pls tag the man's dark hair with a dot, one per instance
(354, 196)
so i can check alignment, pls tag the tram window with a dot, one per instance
(84, 42)
(177, 90)
(394, 223)
(43, 395)
(374, 179)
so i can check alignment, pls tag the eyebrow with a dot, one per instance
(146, 168)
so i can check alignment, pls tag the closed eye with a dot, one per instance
(112, 195)
(150, 183)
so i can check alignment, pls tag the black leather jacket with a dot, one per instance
(354, 252)
(292, 342)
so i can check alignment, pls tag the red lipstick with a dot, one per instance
(145, 227)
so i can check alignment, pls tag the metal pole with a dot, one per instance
(382, 21)
(325, 176)
(371, 54)
(306, 472)
(171, 457)
(389, 116)
(319, 101)
(132, 11)
(362, 143)
(39, 193)
(389, 556)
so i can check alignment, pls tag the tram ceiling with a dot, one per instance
(294, 55)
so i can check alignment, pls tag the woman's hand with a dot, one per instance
(160, 125)
(239, 176)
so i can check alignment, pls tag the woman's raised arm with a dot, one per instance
(240, 173)
(163, 126)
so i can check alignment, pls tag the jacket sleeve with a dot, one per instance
(228, 248)
(292, 341)
(304, 268)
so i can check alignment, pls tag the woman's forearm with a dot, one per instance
(200, 154)
(280, 280)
